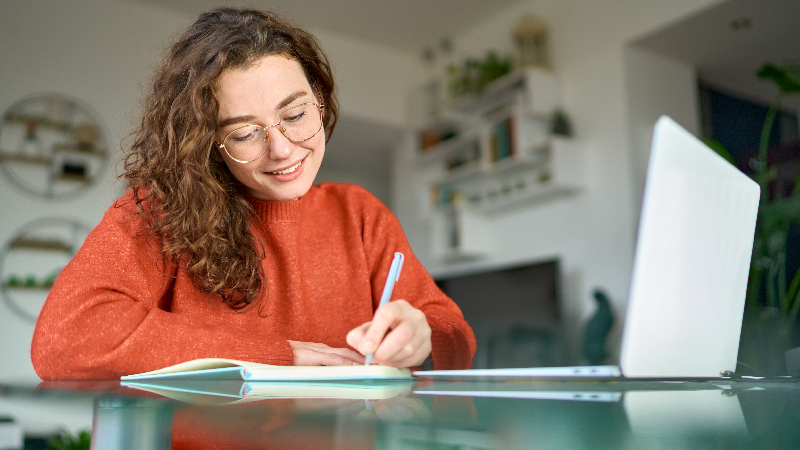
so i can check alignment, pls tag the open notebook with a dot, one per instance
(695, 239)
(231, 369)
(222, 392)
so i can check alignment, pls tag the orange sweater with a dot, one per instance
(116, 308)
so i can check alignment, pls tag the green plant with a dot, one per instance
(66, 441)
(773, 301)
(473, 75)
(775, 215)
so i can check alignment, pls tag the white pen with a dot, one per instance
(394, 275)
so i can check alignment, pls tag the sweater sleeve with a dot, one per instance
(107, 314)
(452, 338)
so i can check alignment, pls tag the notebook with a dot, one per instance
(231, 369)
(691, 264)
(223, 392)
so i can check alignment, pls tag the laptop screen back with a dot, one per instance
(692, 259)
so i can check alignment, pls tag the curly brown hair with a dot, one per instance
(182, 188)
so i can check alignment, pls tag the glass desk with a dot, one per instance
(719, 414)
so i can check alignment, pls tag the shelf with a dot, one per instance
(41, 244)
(518, 163)
(40, 121)
(70, 148)
(27, 159)
(540, 86)
(73, 178)
(467, 141)
(27, 287)
(495, 93)
(510, 159)
(529, 196)
(466, 171)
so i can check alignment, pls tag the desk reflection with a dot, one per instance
(464, 415)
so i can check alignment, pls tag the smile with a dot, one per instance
(288, 170)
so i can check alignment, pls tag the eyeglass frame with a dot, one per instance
(266, 133)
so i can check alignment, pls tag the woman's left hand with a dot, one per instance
(398, 336)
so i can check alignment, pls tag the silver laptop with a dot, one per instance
(687, 294)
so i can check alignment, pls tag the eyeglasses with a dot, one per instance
(249, 142)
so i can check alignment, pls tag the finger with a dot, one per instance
(399, 343)
(316, 354)
(410, 356)
(313, 358)
(408, 341)
(356, 335)
(343, 352)
(386, 317)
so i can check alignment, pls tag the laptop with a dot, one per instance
(689, 279)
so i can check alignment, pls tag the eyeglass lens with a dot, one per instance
(298, 124)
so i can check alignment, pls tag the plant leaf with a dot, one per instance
(787, 78)
(720, 149)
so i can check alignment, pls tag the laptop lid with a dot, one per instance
(692, 261)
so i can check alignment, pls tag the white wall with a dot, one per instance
(372, 80)
(593, 232)
(656, 86)
(377, 185)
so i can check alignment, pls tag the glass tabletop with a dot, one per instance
(453, 414)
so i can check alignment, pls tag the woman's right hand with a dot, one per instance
(315, 354)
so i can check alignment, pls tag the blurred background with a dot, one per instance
(510, 137)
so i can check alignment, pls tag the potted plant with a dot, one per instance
(773, 296)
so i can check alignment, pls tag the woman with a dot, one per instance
(222, 247)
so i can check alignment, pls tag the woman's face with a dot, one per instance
(259, 94)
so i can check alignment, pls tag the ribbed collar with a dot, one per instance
(275, 211)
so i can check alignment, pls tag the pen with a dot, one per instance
(394, 275)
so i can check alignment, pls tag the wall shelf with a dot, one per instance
(25, 287)
(25, 158)
(41, 244)
(43, 122)
(52, 146)
(32, 258)
(502, 156)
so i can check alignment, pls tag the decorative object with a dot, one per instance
(473, 75)
(32, 258)
(30, 145)
(773, 302)
(596, 330)
(561, 125)
(51, 145)
(531, 40)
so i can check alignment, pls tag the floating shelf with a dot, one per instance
(529, 196)
(26, 287)
(40, 121)
(69, 148)
(27, 159)
(461, 143)
(73, 178)
(41, 244)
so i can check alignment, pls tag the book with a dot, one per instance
(231, 369)
(221, 392)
